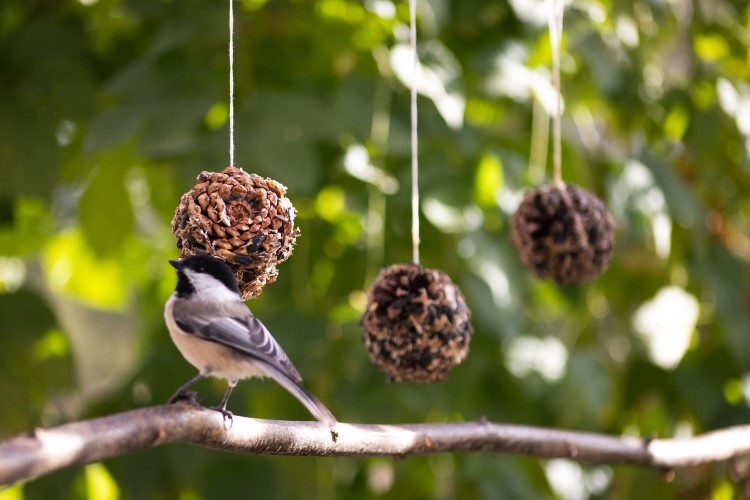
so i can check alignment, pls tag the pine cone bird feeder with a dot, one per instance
(241, 218)
(563, 232)
(416, 324)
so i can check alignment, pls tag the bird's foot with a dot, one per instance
(186, 395)
(228, 415)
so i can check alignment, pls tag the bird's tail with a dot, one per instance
(313, 404)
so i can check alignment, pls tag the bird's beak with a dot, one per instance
(176, 264)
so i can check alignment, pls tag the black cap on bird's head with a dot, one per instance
(203, 264)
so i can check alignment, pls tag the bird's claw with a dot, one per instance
(226, 414)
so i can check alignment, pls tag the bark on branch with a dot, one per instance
(45, 450)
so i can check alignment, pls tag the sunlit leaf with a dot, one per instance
(488, 181)
(52, 344)
(100, 484)
(438, 77)
(217, 115)
(723, 491)
(12, 274)
(711, 47)
(676, 122)
(73, 269)
(12, 493)
(329, 204)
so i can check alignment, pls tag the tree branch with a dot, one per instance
(46, 450)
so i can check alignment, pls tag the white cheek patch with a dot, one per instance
(209, 288)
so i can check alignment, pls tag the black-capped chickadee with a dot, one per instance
(216, 333)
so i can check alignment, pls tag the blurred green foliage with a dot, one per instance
(110, 109)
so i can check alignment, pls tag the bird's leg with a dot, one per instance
(184, 393)
(222, 407)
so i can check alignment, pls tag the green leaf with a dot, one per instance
(27, 381)
(100, 484)
(105, 210)
(488, 180)
(73, 269)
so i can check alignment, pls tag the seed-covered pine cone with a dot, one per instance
(241, 218)
(416, 326)
(563, 232)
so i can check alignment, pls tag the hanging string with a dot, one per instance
(231, 83)
(555, 21)
(414, 140)
(540, 128)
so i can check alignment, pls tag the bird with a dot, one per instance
(215, 332)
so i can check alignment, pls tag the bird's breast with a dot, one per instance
(211, 358)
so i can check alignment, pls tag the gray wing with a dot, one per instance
(234, 326)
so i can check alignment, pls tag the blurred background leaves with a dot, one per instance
(111, 108)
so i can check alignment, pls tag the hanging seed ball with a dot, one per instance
(416, 324)
(563, 232)
(241, 218)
